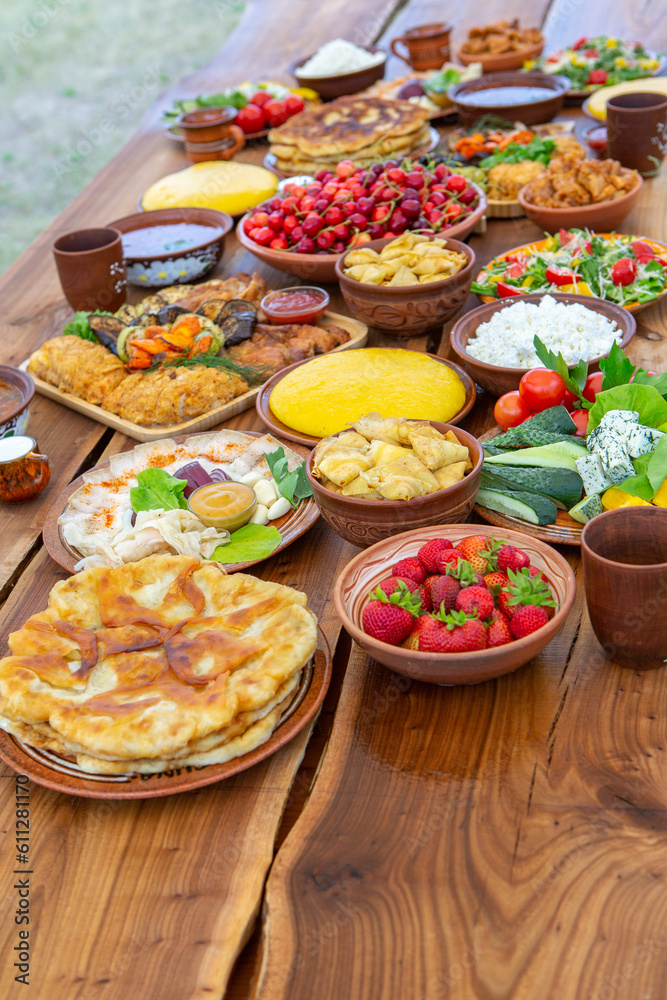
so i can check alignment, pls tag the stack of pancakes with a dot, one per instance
(159, 664)
(362, 129)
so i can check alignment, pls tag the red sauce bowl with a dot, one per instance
(296, 304)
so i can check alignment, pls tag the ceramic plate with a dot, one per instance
(633, 307)
(262, 403)
(63, 775)
(583, 95)
(428, 147)
(291, 526)
(564, 531)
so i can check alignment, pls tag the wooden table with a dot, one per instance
(498, 842)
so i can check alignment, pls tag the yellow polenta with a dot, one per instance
(323, 396)
(226, 186)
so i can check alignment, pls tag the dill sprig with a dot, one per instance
(252, 375)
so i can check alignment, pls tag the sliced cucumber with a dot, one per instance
(121, 343)
(562, 486)
(547, 427)
(550, 456)
(586, 509)
(529, 507)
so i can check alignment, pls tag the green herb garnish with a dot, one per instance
(294, 486)
(80, 327)
(574, 378)
(158, 489)
(537, 149)
(252, 541)
(253, 376)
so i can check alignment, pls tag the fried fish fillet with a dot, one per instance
(79, 367)
(171, 395)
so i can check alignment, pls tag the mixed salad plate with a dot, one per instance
(628, 270)
(599, 61)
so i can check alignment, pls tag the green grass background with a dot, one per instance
(66, 66)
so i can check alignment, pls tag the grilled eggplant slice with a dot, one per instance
(169, 314)
(238, 327)
(107, 329)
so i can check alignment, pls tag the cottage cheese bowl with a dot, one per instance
(339, 68)
(494, 342)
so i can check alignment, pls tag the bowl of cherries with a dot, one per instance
(306, 228)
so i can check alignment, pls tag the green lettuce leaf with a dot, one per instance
(157, 489)
(650, 473)
(80, 327)
(252, 541)
(616, 368)
(645, 399)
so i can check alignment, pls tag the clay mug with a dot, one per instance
(624, 554)
(428, 46)
(201, 152)
(23, 471)
(91, 269)
(637, 131)
(212, 125)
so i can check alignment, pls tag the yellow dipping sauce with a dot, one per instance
(223, 505)
(333, 390)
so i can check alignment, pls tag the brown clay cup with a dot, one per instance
(91, 269)
(427, 45)
(637, 131)
(23, 471)
(624, 554)
(211, 125)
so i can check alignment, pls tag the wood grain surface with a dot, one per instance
(499, 842)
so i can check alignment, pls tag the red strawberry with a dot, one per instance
(458, 633)
(390, 619)
(391, 584)
(411, 568)
(496, 581)
(425, 594)
(509, 557)
(477, 599)
(447, 558)
(498, 633)
(444, 591)
(412, 641)
(471, 549)
(526, 619)
(524, 589)
(430, 550)
(465, 574)
(429, 581)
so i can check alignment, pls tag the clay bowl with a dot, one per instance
(624, 555)
(14, 423)
(312, 267)
(498, 380)
(366, 570)
(268, 417)
(528, 112)
(407, 310)
(175, 267)
(602, 217)
(364, 522)
(503, 61)
(331, 87)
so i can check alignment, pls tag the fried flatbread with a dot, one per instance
(144, 660)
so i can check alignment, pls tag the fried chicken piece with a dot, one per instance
(80, 367)
(505, 179)
(171, 395)
(269, 356)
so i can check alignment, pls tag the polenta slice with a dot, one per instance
(226, 186)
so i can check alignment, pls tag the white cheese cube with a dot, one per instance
(642, 440)
(592, 474)
(616, 463)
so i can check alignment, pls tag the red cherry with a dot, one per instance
(411, 208)
(312, 225)
(349, 208)
(333, 216)
(415, 180)
(276, 221)
(297, 233)
(441, 172)
(375, 231)
(279, 243)
(305, 245)
(341, 232)
(260, 218)
(325, 240)
(345, 169)
(307, 203)
(437, 198)
(264, 236)
(381, 213)
(468, 196)
(396, 175)
(388, 194)
(339, 246)
(358, 220)
(365, 205)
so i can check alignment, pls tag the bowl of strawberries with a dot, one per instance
(458, 604)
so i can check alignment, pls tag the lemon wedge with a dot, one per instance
(330, 392)
(614, 498)
(224, 185)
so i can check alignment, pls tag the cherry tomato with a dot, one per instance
(580, 418)
(561, 275)
(564, 236)
(276, 113)
(579, 44)
(569, 399)
(540, 388)
(597, 76)
(505, 291)
(260, 98)
(593, 386)
(510, 410)
(294, 103)
(591, 54)
(624, 271)
(516, 269)
(251, 118)
(642, 249)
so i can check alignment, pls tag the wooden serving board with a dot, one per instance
(358, 335)
(564, 530)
